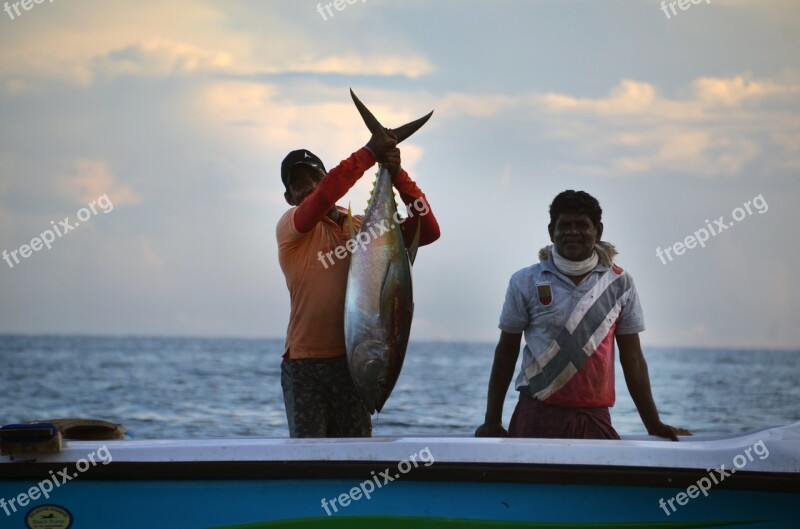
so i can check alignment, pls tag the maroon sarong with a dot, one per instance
(533, 418)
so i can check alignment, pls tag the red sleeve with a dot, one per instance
(333, 187)
(410, 194)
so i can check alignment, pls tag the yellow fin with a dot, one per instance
(350, 228)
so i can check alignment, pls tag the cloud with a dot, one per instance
(162, 57)
(92, 179)
(186, 38)
(271, 122)
(738, 90)
(358, 64)
(75, 41)
(264, 117)
(720, 127)
(713, 128)
(712, 133)
(630, 97)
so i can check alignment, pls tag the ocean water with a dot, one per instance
(163, 388)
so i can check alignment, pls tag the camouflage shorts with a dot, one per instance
(321, 400)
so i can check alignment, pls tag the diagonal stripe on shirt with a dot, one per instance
(571, 355)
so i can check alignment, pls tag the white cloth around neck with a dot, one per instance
(575, 268)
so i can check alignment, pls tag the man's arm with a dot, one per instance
(332, 187)
(505, 360)
(637, 379)
(339, 180)
(416, 201)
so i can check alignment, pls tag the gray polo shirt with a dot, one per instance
(541, 302)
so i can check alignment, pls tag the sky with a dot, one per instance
(149, 135)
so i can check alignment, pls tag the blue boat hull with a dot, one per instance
(297, 503)
(387, 483)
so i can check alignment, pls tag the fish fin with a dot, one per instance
(385, 281)
(402, 132)
(412, 250)
(371, 193)
(350, 228)
(370, 120)
(388, 296)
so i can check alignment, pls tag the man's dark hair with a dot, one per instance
(576, 203)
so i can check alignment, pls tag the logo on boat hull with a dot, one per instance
(48, 517)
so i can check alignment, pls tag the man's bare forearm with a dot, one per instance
(505, 360)
(637, 379)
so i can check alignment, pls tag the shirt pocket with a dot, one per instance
(543, 319)
(538, 307)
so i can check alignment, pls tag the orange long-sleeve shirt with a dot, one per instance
(317, 288)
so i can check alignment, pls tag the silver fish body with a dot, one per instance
(379, 303)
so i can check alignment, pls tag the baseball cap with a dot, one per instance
(300, 156)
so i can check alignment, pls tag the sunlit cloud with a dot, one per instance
(162, 57)
(636, 129)
(357, 64)
(736, 91)
(92, 179)
(630, 97)
(187, 38)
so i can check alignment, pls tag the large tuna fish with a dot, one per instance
(379, 302)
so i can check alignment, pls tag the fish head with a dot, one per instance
(369, 368)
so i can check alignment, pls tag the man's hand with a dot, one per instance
(391, 161)
(637, 377)
(381, 142)
(665, 430)
(491, 430)
(505, 359)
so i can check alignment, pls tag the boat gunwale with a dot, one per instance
(517, 473)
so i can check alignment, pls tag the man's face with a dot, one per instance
(303, 179)
(574, 236)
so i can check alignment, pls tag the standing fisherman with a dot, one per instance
(320, 398)
(571, 306)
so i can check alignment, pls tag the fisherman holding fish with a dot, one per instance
(571, 307)
(319, 394)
